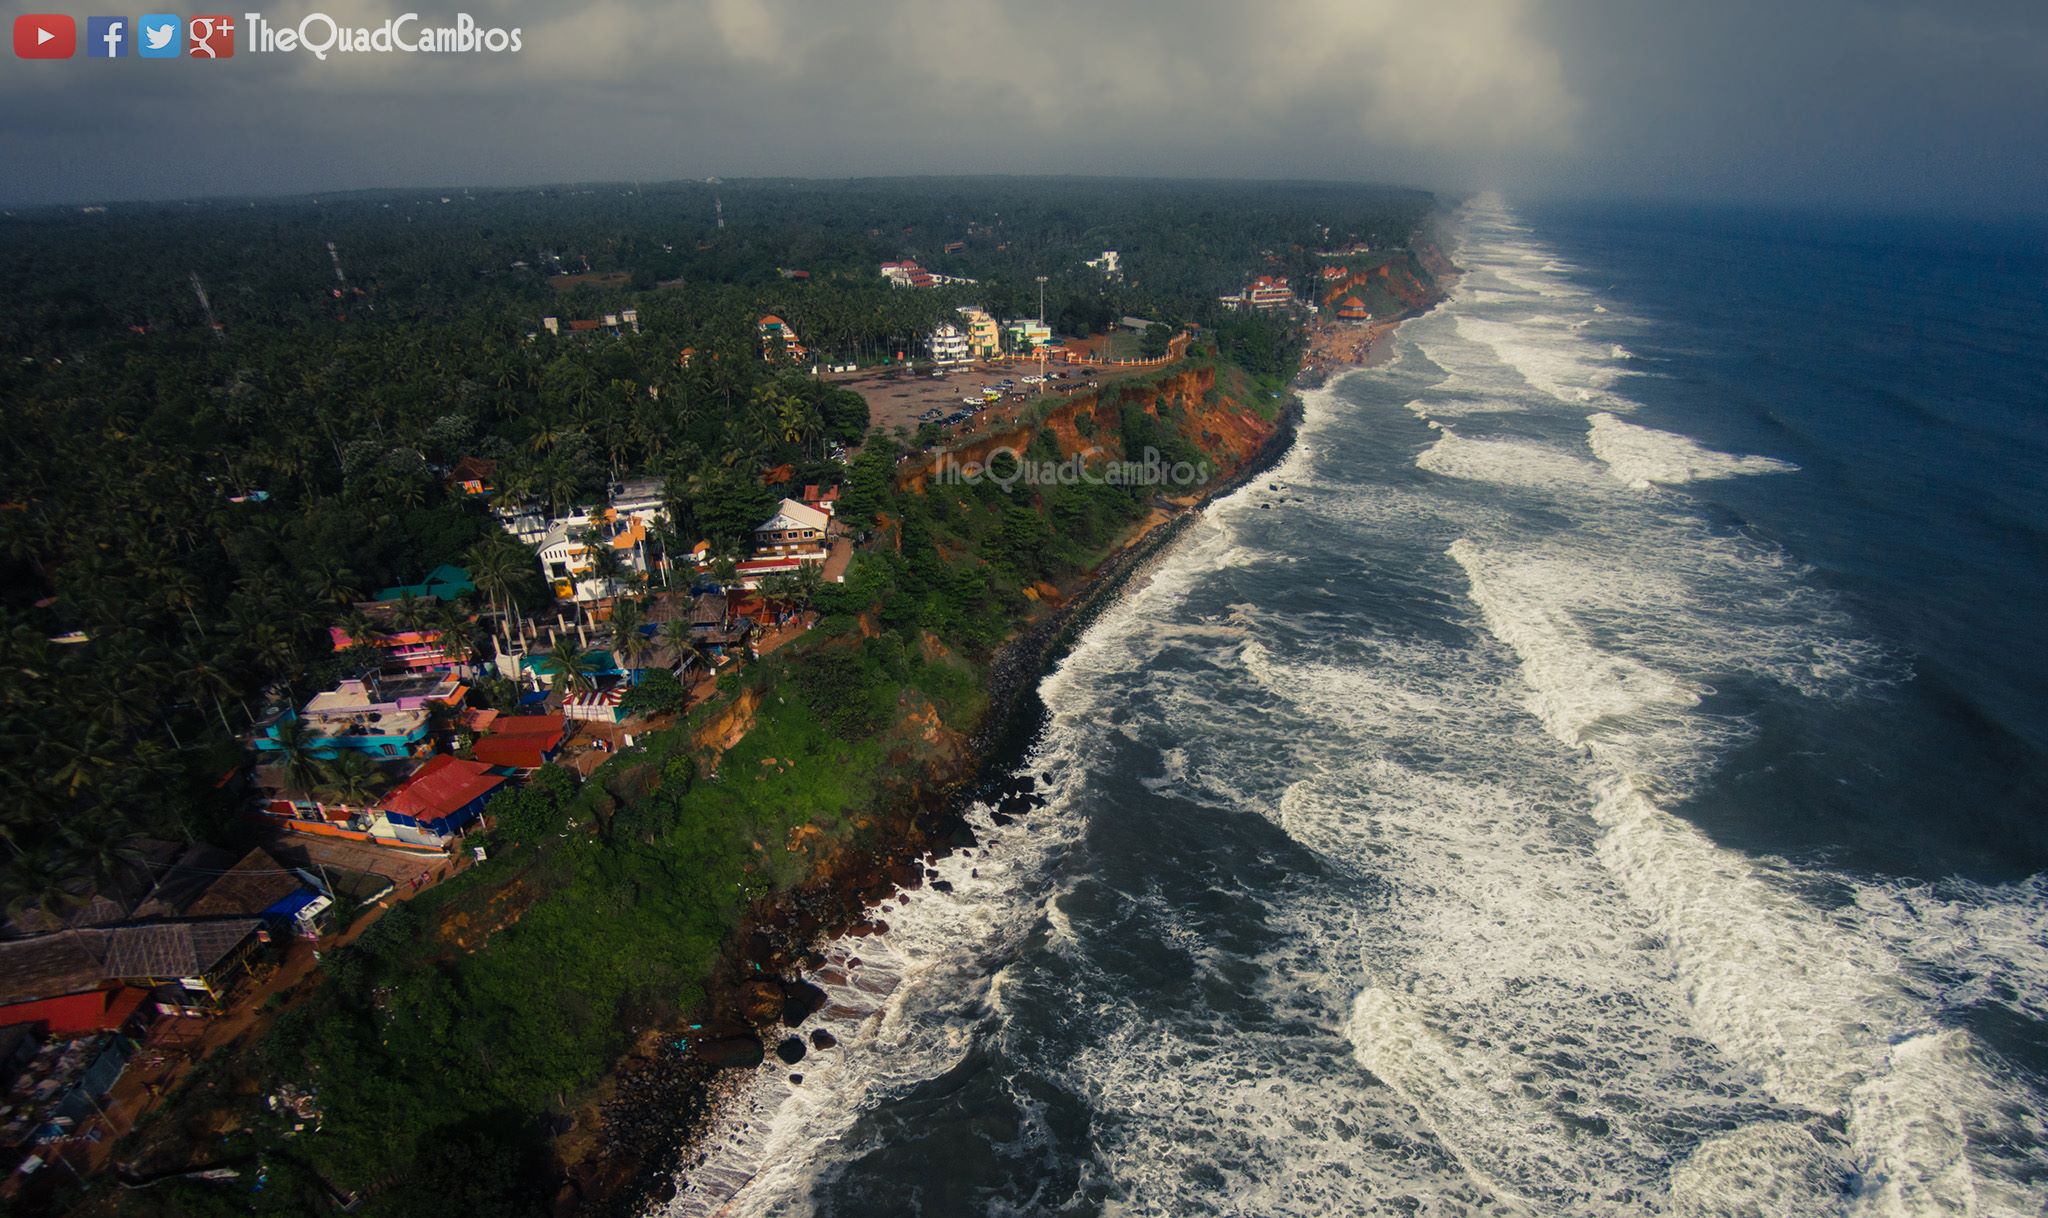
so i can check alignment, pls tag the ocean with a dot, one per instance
(1600, 770)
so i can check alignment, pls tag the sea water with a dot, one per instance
(1599, 771)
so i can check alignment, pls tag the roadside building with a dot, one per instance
(58, 984)
(521, 742)
(442, 797)
(1026, 332)
(949, 344)
(193, 963)
(793, 526)
(211, 883)
(750, 573)
(597, 705)
(984, 336)
(906, 274)
(398, 650)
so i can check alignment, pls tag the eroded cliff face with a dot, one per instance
(1409, 281)
(1090, 425)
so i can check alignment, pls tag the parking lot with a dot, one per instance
(898, 398)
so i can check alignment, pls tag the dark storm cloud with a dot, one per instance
(1882, 104)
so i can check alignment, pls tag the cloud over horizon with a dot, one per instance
(1870, 103)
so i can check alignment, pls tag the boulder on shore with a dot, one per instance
(791, 1050)
(760, 1002)
(800, 1001)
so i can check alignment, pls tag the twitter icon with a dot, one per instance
(157, 36)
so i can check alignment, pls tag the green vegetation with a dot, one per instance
(140, 437)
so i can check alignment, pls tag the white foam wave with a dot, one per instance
(1562, 365)
(1980, 943)
(1770, 1169)
(1794, 995)
(1640, 456)
(1508, 463)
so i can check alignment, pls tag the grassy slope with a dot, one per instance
(449, 1029)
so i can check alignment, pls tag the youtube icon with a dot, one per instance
(45, 36)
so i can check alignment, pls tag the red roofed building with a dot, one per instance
(78, 1014)
(1265, 293)
(521, 742)
(824, 499)
(1353, 309)
(439, 799)
(472, 476)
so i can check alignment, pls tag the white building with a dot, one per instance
(640, 498)
(949, 345)
(1264, 294)
(565, 555)
(1107, 264)
(794, 525)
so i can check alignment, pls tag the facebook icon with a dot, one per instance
(106, 37)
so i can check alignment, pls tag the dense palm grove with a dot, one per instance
(340, 386)
(222, 436)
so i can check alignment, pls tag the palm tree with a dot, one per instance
(86, 759)
(682, 641)
(331, 581)
(350, 778)
(271, 647)
(547, 437)
(203, 675)
(360, 627)
(779, 588)
(570, 666)
(809, 581)
(178, 588)
(453, 627)
(106, 853)
(44, 882)
(294, 744)
(413, 612)
(495, 565)
(628, 643)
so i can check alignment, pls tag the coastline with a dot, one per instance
(657, 1103)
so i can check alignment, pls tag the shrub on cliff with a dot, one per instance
(658, 692)
(526, 813)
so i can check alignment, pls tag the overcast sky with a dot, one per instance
(1885, 104)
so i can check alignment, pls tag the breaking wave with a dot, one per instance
(1641, 456)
